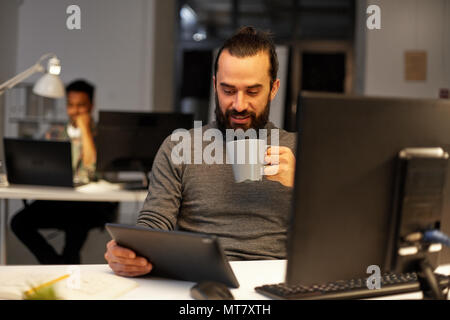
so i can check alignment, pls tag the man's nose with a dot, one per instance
(77, 111)
(239, 102)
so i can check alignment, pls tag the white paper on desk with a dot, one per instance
(100, 186)
(88, 285)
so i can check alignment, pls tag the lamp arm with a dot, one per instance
(20, 77)
(25, 74)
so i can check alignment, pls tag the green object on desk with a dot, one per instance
(45, 291)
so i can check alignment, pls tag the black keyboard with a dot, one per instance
(348, 289)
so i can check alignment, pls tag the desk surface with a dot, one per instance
(95, 191)
(249, 274)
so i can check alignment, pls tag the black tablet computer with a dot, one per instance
(177, 255)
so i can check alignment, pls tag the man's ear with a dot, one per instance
(214, 83)
(275, 87)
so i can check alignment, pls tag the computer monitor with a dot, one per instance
(345, 171)
(129, 141)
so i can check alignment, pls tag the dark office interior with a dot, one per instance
(358, 87)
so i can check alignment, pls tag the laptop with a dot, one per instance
(177, 254)
(39, 162)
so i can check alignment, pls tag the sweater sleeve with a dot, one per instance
(161, 207)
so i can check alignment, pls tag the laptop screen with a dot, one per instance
(38, 162)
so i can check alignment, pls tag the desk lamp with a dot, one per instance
(49, 85)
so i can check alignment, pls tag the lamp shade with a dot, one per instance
(50, 86)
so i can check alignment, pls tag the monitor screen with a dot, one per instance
(345, 171)
(129, 141)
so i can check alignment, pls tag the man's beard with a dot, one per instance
(257, 122)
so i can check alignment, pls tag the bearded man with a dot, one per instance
(250, 219)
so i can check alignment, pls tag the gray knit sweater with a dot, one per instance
(250, 218)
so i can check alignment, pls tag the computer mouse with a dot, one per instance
(210, 290)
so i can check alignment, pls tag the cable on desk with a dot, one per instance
(428, 237)
(435, 236)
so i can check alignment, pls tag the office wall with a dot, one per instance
(113, 49)
(164, 56)
(8, 35)
(408, 25)
(9, 11)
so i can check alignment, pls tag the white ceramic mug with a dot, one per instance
(247, 158)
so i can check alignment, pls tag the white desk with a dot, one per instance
(249, 274)
(96, 191)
